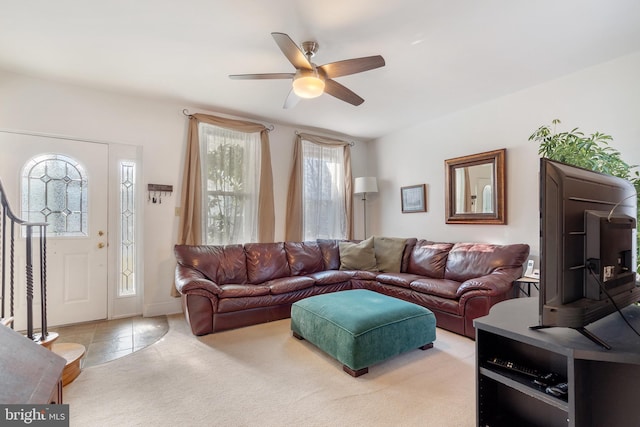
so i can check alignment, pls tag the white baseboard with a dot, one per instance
(124, 316)
(159, 309)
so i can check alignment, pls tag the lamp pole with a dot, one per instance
(364, 185)
(364, 209)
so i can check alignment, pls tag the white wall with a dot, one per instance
(159, 127)
(603, 98)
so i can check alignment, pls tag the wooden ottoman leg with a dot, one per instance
(426, 346)
(297, 335)
(353, 372)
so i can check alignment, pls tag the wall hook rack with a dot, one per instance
(156, 191)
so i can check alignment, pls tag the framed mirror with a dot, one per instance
(475, 189)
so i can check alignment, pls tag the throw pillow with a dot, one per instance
(358, 256)
(389, 252)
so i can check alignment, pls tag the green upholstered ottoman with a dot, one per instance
(361, 327)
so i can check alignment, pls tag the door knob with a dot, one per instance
(100, 245)
(100, 233)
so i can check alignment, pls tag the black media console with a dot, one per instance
(555, 376)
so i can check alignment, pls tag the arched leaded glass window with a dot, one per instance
(54, 190)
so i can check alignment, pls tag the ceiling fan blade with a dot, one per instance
(291, 51)
(352, 66)
(334, 88)
(292, 100)
(267, 76)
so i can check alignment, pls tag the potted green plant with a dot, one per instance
(590, 152)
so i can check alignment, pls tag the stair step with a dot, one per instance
(73, 353)
(48, 341)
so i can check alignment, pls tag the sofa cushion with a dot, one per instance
(440, 287)
(362, 274)
(303, 257)
(397, 279)
(471, 260)
(284, 285)
(495, 283)
(429, 259)
(221, 264)
(330, 277)
(330, 253)
(388, 251)
(239, 291)
(266, 261)
(406, 254)
(358, 256)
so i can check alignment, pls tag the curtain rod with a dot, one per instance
(270, 127)
(350, 143)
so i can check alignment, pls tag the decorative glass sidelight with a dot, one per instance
(54, 191)
(127, 268)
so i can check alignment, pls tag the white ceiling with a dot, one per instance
(441, 55)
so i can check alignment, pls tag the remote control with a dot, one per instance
(547, 379)
(540, 378)
(558, 390)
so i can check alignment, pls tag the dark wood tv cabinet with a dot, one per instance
(602, 384)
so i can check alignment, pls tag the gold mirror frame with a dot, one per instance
(498, 215)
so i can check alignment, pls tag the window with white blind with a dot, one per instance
(323, 195)
(231, 172)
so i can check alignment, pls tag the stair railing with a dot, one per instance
(39, 229)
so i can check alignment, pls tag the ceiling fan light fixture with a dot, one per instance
(308, 84)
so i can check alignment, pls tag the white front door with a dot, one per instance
(76, 262)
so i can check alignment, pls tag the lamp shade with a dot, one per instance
(365, 184)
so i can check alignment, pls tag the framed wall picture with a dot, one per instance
(414, 198)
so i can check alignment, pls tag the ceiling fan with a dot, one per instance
(310, 80)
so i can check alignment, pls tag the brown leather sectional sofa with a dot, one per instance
(225, 287)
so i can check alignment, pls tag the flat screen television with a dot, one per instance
(587, 250)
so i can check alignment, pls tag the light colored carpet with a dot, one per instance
(262, 376)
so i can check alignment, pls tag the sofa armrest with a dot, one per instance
(190, 281)
(499, 282)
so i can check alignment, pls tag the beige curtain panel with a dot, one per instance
(294, 220)
(190, 225)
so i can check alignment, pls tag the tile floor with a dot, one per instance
(107, 340)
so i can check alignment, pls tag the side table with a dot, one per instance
(521, 282)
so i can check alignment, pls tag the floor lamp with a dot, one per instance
(364, 185)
